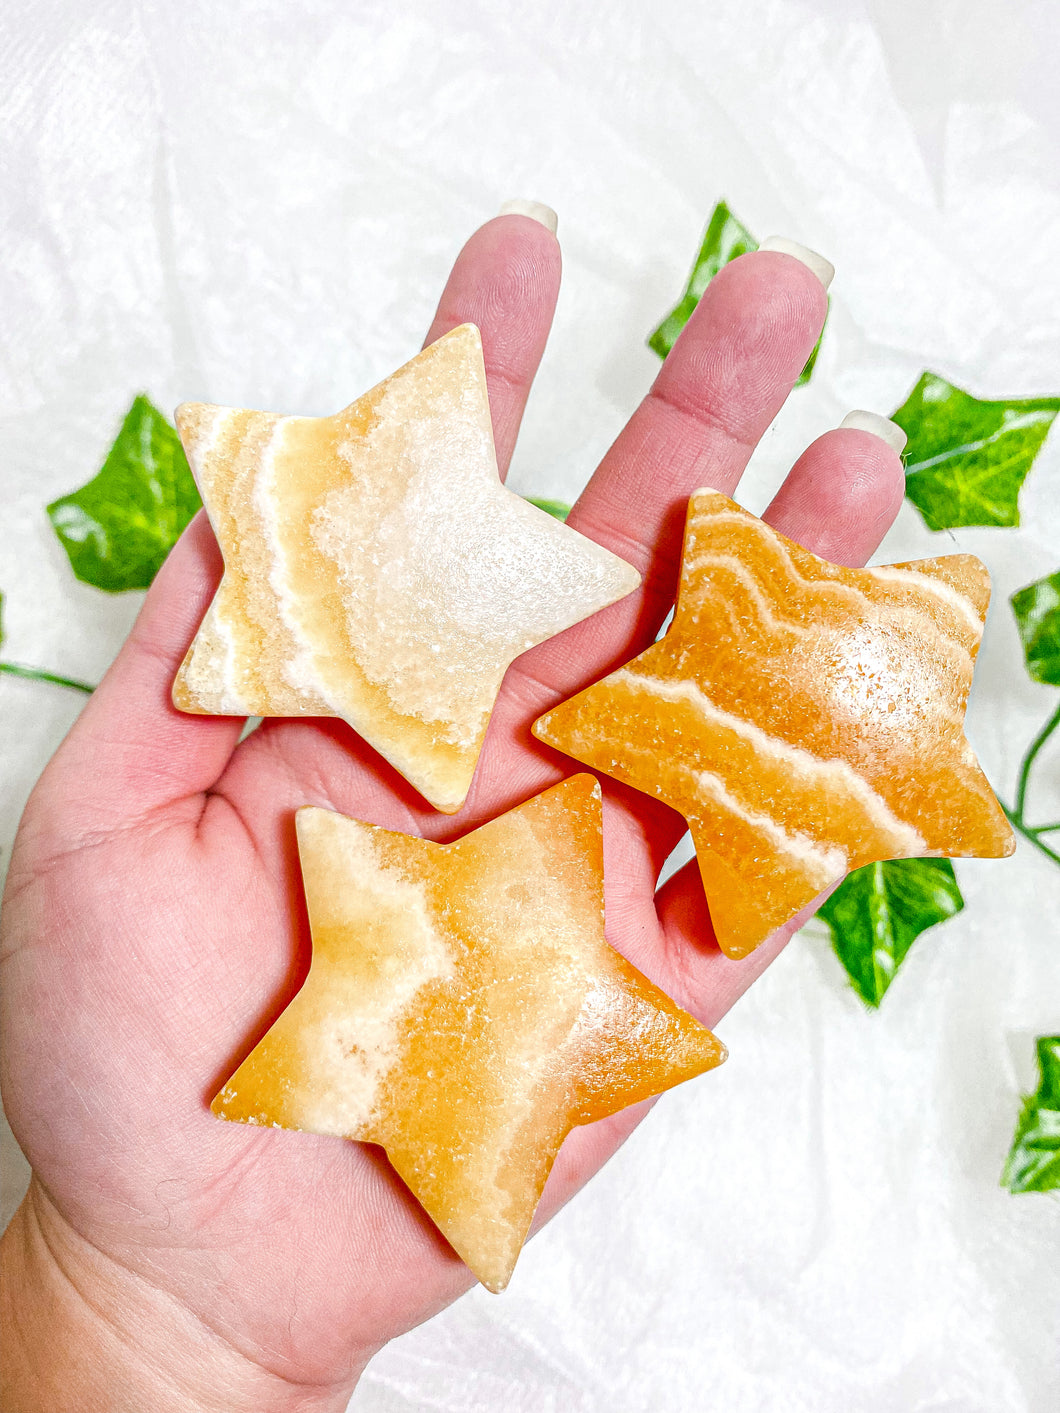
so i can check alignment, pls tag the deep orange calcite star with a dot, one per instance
(804, 718)
(463, 1010)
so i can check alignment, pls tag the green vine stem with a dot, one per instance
(1016, 816)
(39, 674)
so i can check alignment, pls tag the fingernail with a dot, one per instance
(881, 427)
(822, 268)
(536, 210)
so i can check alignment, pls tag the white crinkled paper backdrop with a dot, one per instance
(256, 204)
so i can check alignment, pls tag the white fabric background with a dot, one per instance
(256, 203)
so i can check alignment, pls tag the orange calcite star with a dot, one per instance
(804, 718)
(463, 1010)
(377, 569)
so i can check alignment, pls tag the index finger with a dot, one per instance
(506, 281)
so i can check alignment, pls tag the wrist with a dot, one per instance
(82, 1331)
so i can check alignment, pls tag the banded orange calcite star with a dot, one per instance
(463, 1009)
(377, 569)
(804, 718)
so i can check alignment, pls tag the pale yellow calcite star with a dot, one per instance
(377, 569)
(804, 718)
(463, 1009)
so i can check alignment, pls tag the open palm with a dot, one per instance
(153, 924)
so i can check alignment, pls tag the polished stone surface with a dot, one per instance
(804, 718)
(464, 1010)
(377, 569)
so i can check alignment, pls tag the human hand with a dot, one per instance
(153, 922)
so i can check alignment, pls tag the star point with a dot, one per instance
(805, 718)
(377, 569)
(464, 1010)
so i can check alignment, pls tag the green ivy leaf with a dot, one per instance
(119, 527)
(726, 238)
(966, 459)
(878, 912)
(1037, 610)
(1033, 1163)
(558, 508)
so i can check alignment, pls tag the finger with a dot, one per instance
(721, 386)
(842, 495)
(505, 280)
(131, 752)
(839, 500)
(702, 978)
